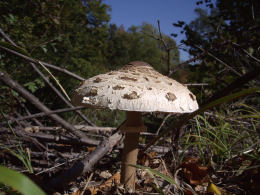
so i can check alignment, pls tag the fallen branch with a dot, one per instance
(85, 165)
(31, 98)
(41, 114)
(97, 130)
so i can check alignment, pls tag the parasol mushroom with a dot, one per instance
(134, 88)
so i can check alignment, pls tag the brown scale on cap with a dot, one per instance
(118, 87)
(97, 80)
(127, 78)
(146, 78)
(192, 97)
(170, 96)
(92, 92)
(112, 73)
(131, 96)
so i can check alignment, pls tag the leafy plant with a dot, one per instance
(19, 182)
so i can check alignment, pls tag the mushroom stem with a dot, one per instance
(132, 128)
(130, 152)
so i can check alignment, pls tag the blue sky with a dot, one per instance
(135, 12)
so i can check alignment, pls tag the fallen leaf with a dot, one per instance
(108, 184)
(195, 173)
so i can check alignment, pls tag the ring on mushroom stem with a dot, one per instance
(134, 88)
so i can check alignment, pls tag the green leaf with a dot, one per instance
(19, 182)
(31, 86)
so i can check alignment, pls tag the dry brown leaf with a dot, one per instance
(195, 173)
(145, 159)
(108, 184)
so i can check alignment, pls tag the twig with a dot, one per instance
(247, 53)
(60, 164)
(41, 114)
(176, 68)
(163, 122)
(56, 80)
(27, 111)
(196, 84)
(79, 127)
(89, 179)
(229, 67)
(6, 37)
(44, 63)
(166, 47)
(57, 138)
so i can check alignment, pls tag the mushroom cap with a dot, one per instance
(135, 87)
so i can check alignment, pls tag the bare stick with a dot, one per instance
(176, 68)
(44, 63)
(229, 67)
(85, 165)
(41, 114)
(31, 98)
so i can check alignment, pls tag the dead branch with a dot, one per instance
(63, 138)
(41, 114)
(32, 60)
(196, 84)
(85, 165)
(36, 61)
(176, 68)
(79, 127)
(31, 98)
(219, 60)
(53, 138)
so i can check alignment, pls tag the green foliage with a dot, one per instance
(139, 43)
(229, 33)
(219, 137)
(34, 85)
(19, 182)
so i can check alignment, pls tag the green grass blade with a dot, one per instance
(157, 173)
(19, 182)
